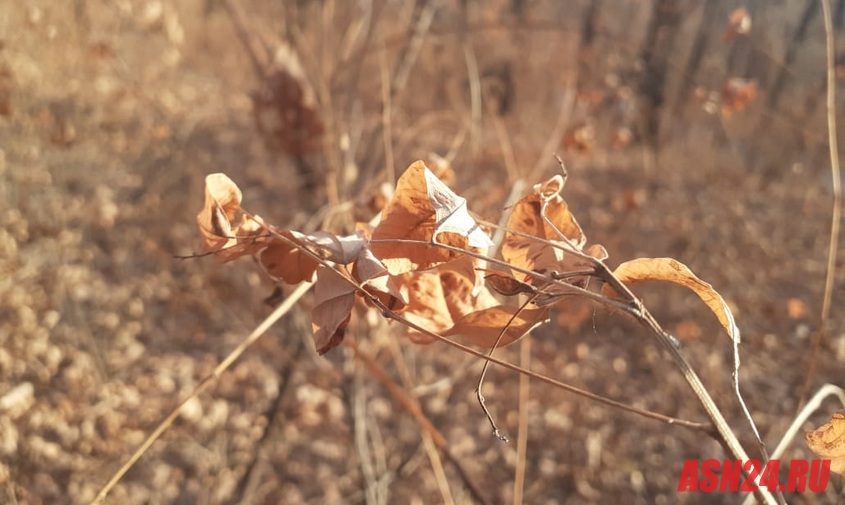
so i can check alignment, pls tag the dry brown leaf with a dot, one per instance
(828, 441)
(436, 299)
(507, 285)
(220, 236)
(737, 94)
(426, 306)
(374, 277)
(526, 218)
(668, 269)
(424, 209)
(739, 23)
(334, 298)
(460, 294)
(483, 327)
(331, 247)
(286, 262)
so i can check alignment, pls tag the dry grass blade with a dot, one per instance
(833, 145)
(413, 407)
(428, 441)
(259, 330)
(522, 427)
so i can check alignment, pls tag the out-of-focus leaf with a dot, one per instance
(828, 441)
(739, 23)
(737, 94)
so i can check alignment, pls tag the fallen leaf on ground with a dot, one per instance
(668, 269)
(424, 209)
(828, 441)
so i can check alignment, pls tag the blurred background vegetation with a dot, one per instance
(690, 129)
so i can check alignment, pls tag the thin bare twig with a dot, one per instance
(387, 117)
(390, 314)
(478, 393)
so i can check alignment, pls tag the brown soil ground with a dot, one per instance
(112, 113)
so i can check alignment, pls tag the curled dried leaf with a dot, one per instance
(283, 261)
(436, 299)
(424, 209)
(374, 277)
(216, 221)
(672, 270)
(828, 441)
(331, 247)
(527, 219)
(334, 298)
(507, 285)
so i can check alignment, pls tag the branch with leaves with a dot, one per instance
(423, 262)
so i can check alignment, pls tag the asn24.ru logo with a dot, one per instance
(729, 475)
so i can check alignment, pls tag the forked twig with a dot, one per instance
(478, 394)
(259, 330)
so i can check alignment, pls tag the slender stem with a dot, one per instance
(833, 145)
(478, 392)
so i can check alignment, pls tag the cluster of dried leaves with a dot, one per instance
(427, 259)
